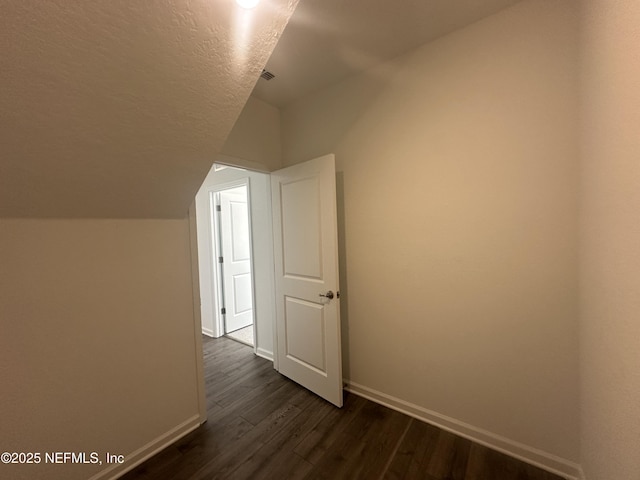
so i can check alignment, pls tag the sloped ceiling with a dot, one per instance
(327, 40)
(117, 108)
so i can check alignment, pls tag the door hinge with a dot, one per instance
(220, 259)
(218, 208)
(223, 311)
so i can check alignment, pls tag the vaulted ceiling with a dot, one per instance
(327, 40)
(117, 108)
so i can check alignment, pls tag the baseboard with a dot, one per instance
(208, 332)
(261, 352)
(533, 456)
(150, 449)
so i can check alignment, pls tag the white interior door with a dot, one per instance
(308, 346)
(236, 264)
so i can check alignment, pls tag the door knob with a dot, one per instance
(328, 295)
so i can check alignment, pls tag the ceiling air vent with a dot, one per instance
(267, 75)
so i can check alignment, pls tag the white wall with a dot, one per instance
(610, 273)
(255, 137)
(457, 178)
(260, 208)
(97, 349)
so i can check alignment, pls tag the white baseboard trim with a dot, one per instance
(533, 456)
(261, 352)
(149, 450)
(208, 332)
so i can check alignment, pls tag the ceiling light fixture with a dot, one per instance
(247, 3)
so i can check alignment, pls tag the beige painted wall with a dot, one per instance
(256, 136)
(610, 275)
(97, 347)
(457, 179)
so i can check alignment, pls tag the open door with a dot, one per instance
(236, 259)
(308, 346)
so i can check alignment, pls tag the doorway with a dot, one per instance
(298, 203)
(222, 178)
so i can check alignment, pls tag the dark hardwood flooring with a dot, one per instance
(263, 426)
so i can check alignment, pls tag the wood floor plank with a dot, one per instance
(530, 472)
(245, 402)
(224, 382)
(476, 464)
(485, 464)
(381, 445)
(262, 426)
(229, 392)
(336, 463)
(405, 453)
(270, 403)
(316, 443)
(276, 459)
(236, 453)
(152, 468)
(365, 446)
(427, 436)
(449, 459)
(284, 465)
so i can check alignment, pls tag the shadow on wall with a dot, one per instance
(320, 134)
(342, 271)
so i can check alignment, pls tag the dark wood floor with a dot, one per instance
(263, 426)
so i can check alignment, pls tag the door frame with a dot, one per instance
(233, 162)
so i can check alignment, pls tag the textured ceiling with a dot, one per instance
(327, 40)
(117, 108)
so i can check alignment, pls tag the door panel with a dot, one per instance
(301, 228)
(304, 324)
(239, 217)
(242, 293)
(305, 241)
